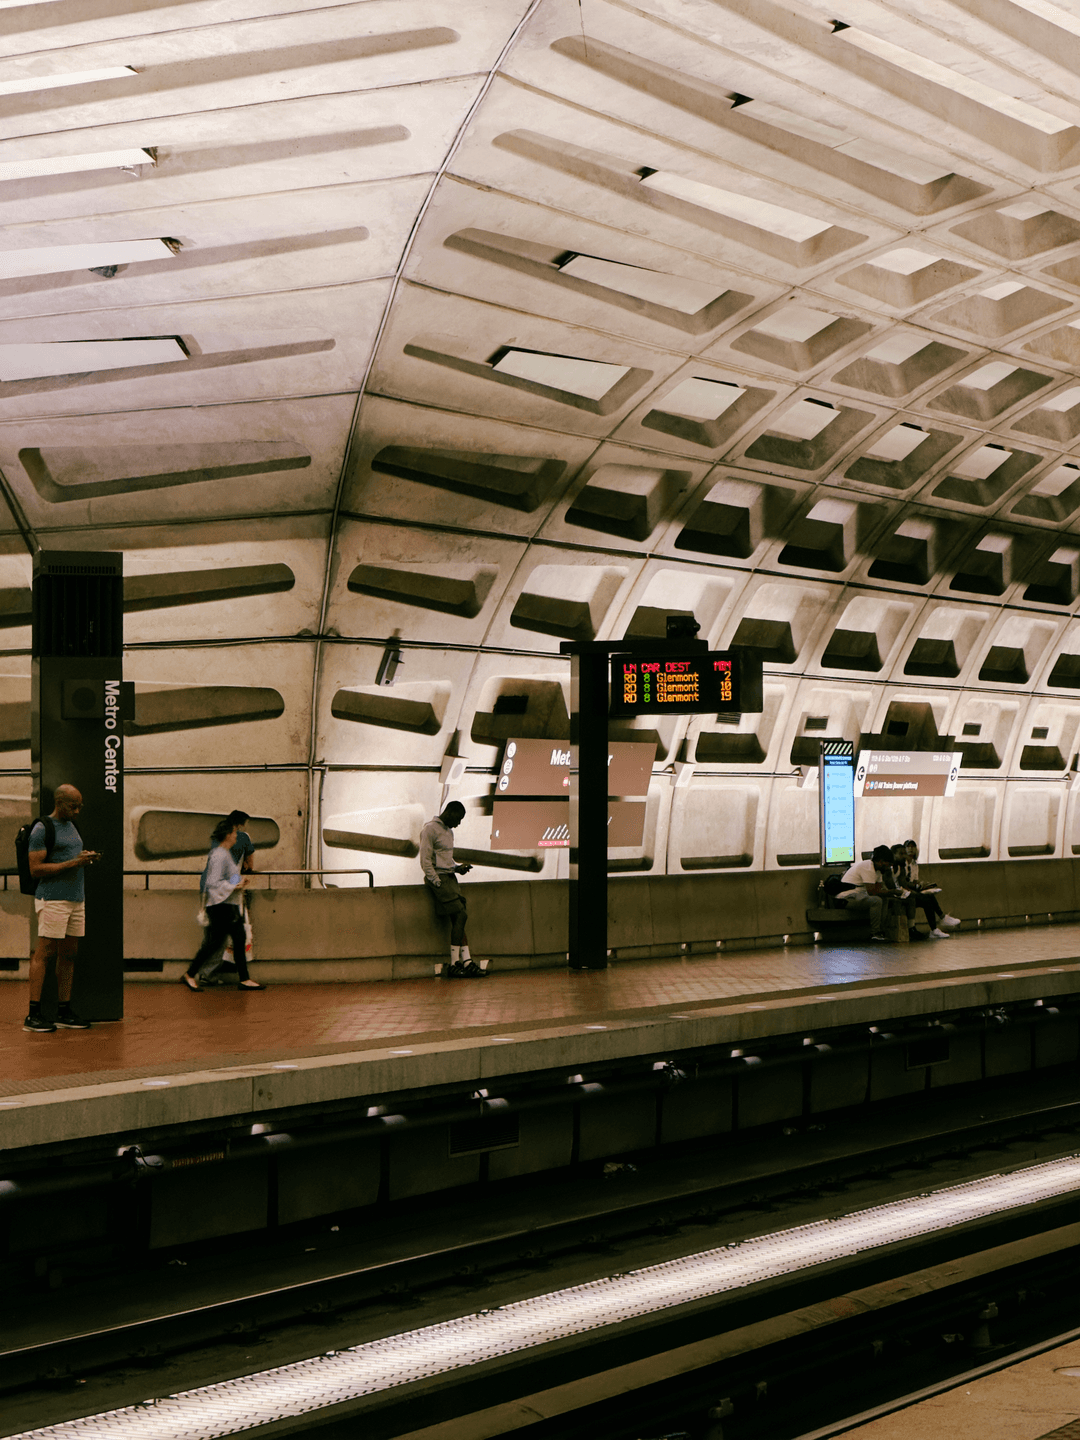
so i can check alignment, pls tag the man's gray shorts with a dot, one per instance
(448, 897)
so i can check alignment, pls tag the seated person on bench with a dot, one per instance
(865, 888)
(940, 924)
(904, 890)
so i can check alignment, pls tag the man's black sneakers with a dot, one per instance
(37, 1026)
(472, 971)
(68, 1020)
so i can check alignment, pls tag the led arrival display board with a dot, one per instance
(711, 682)
(906, 772)
(837, 802)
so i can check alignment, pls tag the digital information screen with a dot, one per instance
(837, 802)
(666, 685)
(882, 773)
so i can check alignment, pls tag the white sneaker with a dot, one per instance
(949, 920)
(879, 937)
(941, 934)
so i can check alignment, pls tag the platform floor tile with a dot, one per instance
(168, 1030)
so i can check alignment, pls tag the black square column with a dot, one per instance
(77, 738)
(587, 944)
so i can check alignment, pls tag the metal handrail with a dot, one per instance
(146, 874)
(14, 874)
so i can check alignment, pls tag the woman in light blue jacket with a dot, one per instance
(220, 878)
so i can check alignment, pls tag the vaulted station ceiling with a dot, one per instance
(482, 325)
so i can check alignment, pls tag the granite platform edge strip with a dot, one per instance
(67, 1112)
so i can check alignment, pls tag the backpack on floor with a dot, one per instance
(27, 884)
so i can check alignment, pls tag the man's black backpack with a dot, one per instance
(27, 884)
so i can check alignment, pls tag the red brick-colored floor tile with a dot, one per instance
(168, 1029)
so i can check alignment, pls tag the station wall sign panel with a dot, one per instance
(543, 767)
(545, 824)
(883, 774)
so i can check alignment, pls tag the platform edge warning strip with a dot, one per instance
(233, 1406)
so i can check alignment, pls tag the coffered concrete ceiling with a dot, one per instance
(481, 325)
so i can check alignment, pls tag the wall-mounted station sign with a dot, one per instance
(532, 794)
(545, 824)
(885, 773)
(712, 682)
(542, 767)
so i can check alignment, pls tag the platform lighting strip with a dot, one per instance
(37, 360)
(64, 259)
(72, 164)
(27, 84)
(310, 1385)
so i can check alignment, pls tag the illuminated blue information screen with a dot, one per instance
(837, 787)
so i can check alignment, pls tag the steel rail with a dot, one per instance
(918, 1236)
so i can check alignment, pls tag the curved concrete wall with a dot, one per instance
(392, 933)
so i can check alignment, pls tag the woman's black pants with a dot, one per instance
(225, 922)
(930, 908)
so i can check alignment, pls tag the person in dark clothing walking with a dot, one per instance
(221, 879)
(217, 967)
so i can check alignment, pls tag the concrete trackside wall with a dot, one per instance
(392, 933)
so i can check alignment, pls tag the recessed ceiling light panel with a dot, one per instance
(79, 357)
(591, 378)
(58, 259)
(71, 164)
(28, 83)
(674, 291)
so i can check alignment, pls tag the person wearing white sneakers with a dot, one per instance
(440, 876)
(867, 888)
(57, 860)
(927, 895)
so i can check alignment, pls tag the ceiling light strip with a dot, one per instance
(41, 359)
(1011, 106)
(60, 259)
(27, 83)
(310, 1385)
(1053, 14)
(746, 209)
(70, 164)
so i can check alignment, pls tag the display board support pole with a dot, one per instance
(587, 941)
(590, 663)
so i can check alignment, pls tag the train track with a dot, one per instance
(336, 1287)
(825, 1382)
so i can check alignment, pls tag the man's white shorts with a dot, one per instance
(58, 918)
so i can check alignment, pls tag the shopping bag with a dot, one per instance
(249, 951)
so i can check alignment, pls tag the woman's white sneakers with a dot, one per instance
(949, 920)
(941, 934)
